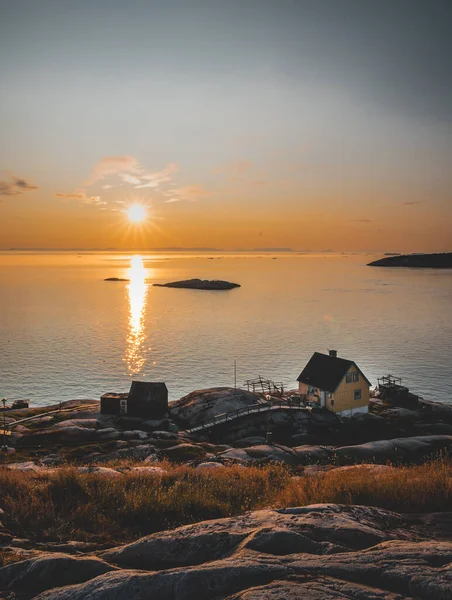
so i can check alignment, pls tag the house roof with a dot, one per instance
(326, 372)
(146, 391)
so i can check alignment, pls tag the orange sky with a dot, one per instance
(311, 125)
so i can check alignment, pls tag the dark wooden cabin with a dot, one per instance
(146, 399)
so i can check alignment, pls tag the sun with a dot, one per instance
(136, 213)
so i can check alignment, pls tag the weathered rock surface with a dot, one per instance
(203, 405)
(184, 452)
(262, 453)
(411, 448)
(396, 450)
(50, 571)
(318, 552)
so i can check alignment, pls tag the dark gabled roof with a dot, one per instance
(326, 372)
(146, 391)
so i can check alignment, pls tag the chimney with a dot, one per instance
(332, 353)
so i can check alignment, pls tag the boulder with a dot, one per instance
(57, 435)
(104, 471)
(397, 449)
(50, 571)
(309, 455)
(90, 423)
(273, 453)
(135, 434)
(51, 460)
(165, 435)
(156, 424)
(210, 465)
(148, 470)
(202, 405)
(250, 441)
(28, 466)
(184, 452)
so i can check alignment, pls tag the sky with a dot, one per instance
(311, 124)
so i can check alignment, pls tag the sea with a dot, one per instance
(66, 333)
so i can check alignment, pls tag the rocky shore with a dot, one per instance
(321, 551)
(77, 433)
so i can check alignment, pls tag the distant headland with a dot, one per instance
(418, 261)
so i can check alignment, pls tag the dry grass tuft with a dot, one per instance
(67, 505)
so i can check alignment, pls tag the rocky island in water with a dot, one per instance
(418, 261)
(116, 279)
(200, 284)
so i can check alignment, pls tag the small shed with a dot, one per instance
(114, 404)
(145, 399)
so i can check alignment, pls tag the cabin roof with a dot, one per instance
(326, 372)
(146, 391)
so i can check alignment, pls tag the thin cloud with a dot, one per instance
(130, 171)
(16, 186)
(361, 221)
(80, 195)
(156, 179)
(127, 178)
(111, 165)
(188, 192)
(411, 203)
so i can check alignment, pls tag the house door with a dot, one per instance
(322, 398)
(123, 407)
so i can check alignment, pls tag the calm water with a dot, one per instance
(65, 333)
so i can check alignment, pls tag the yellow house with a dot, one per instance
(335, 383)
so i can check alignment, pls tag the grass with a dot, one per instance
(67, 505)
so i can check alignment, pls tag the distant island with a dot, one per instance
(116, 279)
(200, 284)
(418, 261)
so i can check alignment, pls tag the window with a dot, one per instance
(330, 395)
(351, 377)
(357, 394)
(311, 390)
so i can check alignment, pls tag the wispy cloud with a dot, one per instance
(15, 186)
(412, 202)
(82, 196)
(153, 180)
(129, 170)
(127, 178)
(111, 165)
(188, 192)
(361, 220)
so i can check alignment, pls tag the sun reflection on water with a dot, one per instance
(137, 292)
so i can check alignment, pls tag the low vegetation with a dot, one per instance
(68, 505)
